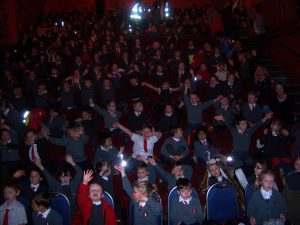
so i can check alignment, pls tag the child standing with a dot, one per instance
(12, 212)
(266, 203)
(43, 214)
(186, 210)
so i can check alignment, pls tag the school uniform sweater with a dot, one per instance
(186, 213)
(263, 210)
(171, 147)
(195, 112)
(146, 215)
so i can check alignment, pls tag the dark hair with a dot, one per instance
(65, 169)
(142, 166)
(31, 130)
(12, 183)
(36, 169)
(183, 183)
(147, 126)
(103, 137)
(174, 129)
(239, 119)
(43, 198)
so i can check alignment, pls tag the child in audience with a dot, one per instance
(178, 171)
(9, 151)
(135, 90)
(292, 180)
(32, 185)
(168, 119)
(251, 110)
(241, 136)
(194, 110)
(65, 184)
(138, 117)
(74, 142)
(12, 212)
(186, 210)
(106, 150)
(94, 209)
(215, 174)
(175, 148)
(43, 214)
(104, 177)
(266, 203)
(146, 208)
(259, 168)
(164, 91)
(275, 142)
(35, 147)
(203, 148)
(110, 114)
(142, 148)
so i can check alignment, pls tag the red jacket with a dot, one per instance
(85, 207)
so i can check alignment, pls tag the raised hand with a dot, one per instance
(44, 133)
(19, 173)
(120, 169)
(116, 125)
(87, 176)
(152, 161)
(39, 164)
(69, 159)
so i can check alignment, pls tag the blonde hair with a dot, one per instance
(145, 188)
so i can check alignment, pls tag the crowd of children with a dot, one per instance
(139, 111)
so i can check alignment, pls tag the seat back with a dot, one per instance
(61, 204)
(173, 194)
(292, 199)
(222, 203)
(109, 199)
(248, 193)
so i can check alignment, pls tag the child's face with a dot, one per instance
(213, 81)
(267, 182)
(35, 177)
(178, 171)
(165, 85)
(35, 206)
(168, 109)
(251, 99)
(230, 78)
(112, 107)
(87, 83)
(178, 133)
(297, 165)
(10, 194)
(275, 126)
(138, 107)
(65, 178)
(258, 169)
(194, 99)
(242, 125)
(146, 132)
(214, 170)
(185, 193)
(133, 82)
(201, 135)
(95, 192)
(5, 135)
(86, 115)
(137, 195)
(106, 84)
(107, 143)
(31, 137)
(203, 67)
(142, 173)
(224, 101)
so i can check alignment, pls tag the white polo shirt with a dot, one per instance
(138, 147)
